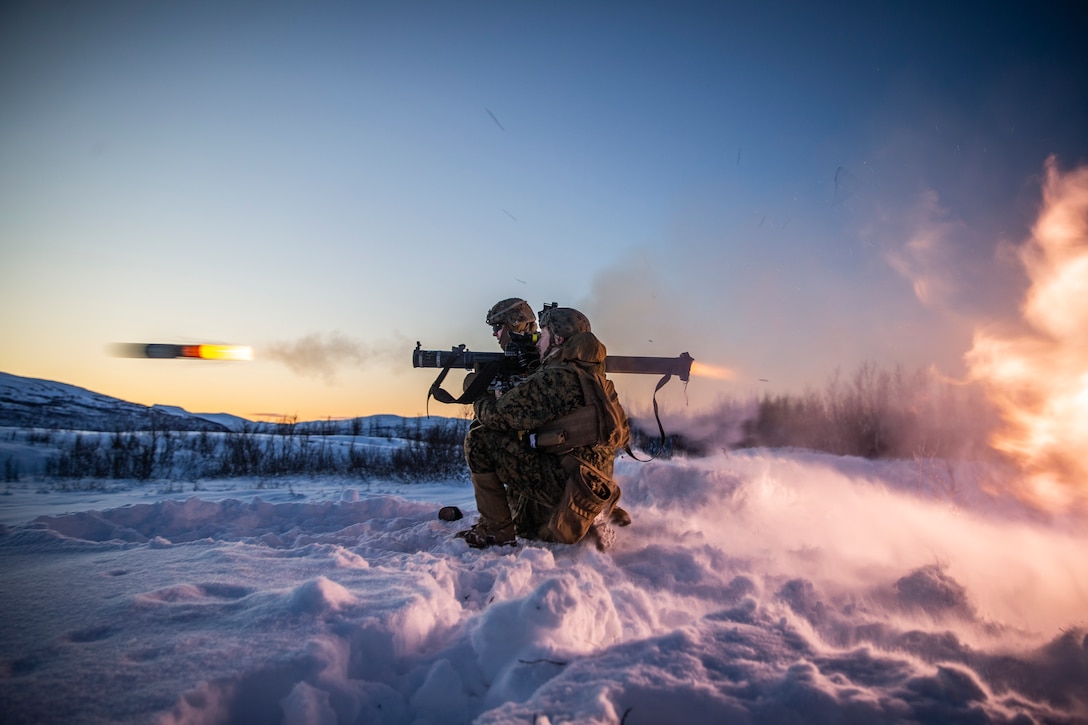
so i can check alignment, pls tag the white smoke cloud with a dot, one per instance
(928, 257)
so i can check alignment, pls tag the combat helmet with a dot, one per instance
(514, 313)
(563, 321)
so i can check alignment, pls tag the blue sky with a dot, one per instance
(781, 189)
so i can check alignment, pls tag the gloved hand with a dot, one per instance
(528, 359)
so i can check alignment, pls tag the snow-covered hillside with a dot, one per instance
(30, 402)
(63, 432)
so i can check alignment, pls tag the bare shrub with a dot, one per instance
(876, 413)
(287, 449)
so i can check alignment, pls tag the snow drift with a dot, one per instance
(752, 587)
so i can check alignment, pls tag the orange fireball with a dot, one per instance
(1039, 380)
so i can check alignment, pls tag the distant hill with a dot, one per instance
(34, 403)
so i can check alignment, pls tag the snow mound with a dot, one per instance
(759, 587)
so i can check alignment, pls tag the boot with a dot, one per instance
(495, 527)
(529, 516)
(617, 515)
(620, 517)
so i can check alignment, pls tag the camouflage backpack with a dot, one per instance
(613, 430)
(600, 422)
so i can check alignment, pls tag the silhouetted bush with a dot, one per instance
(284, 449)
(875, 414)
(654, 445)
(11, 470)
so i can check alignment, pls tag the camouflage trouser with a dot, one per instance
(534, 481)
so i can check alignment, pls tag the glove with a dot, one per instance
(528, 358)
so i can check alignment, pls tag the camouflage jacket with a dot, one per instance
(552, 391)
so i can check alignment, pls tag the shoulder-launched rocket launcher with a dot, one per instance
(490, 365)
(461, 357)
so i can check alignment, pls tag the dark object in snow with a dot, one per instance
(450, 513)
(479, 537)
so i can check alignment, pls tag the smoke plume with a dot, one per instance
(322, 356)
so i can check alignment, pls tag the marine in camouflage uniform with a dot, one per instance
(512, 316)
(501, 453)
(506, 317)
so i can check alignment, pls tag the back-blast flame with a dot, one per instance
(1039, 380)
(713, 372)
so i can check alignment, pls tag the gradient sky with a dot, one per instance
(782, 189)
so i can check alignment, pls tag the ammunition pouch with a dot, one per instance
(586, 494)
(576, 429)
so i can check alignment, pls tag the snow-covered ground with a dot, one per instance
(760, 586)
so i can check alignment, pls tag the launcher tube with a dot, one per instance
(679, 366)
(460, 357)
